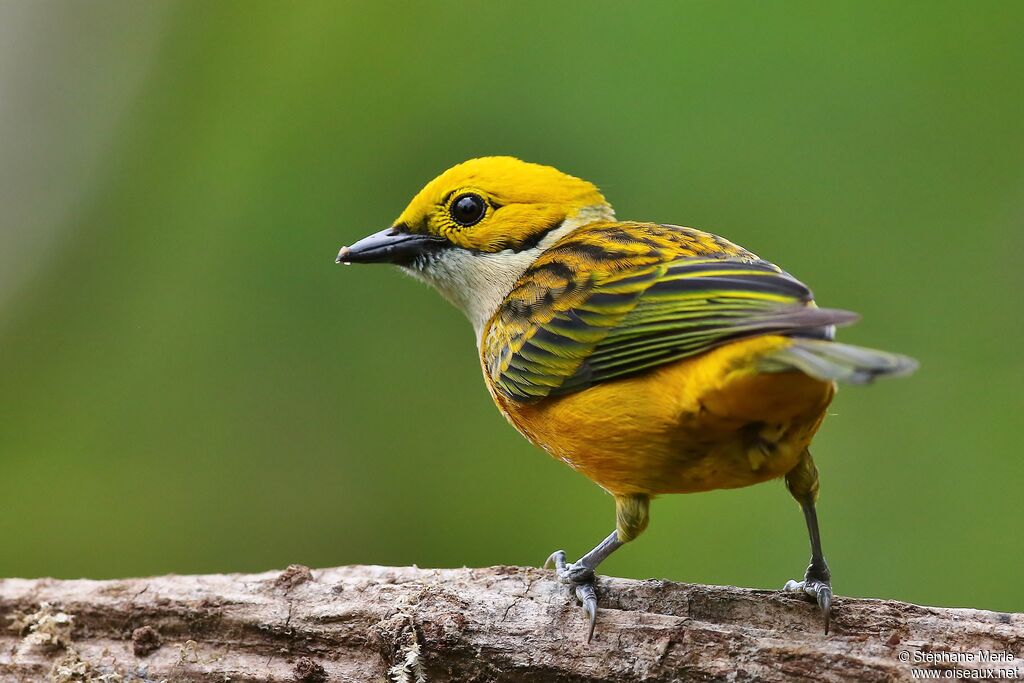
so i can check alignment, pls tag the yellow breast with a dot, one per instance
(708, 422)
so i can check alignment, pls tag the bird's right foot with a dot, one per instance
(581, 578)
(817, 584)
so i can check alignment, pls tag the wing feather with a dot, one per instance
(573, 321)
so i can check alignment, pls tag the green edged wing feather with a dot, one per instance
(562, 332)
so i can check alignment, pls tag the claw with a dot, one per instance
(588, 596)
(555, 560)
(825, 604)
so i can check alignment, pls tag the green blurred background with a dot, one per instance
(189, 384)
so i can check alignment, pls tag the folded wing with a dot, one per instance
(566, 331)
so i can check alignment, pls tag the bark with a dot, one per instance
(494, 624)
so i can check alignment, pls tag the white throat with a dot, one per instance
(477, 282)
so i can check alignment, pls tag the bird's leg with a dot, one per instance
(631, 515)
(817, 579)
(802, 482)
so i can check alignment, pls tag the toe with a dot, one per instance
(588, 597)
(578, 573)
(825, 604)
(555, 560)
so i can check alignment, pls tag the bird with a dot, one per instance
(652, 358)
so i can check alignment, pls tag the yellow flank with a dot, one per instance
(702, 423)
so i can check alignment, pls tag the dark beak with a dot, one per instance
(389, 246)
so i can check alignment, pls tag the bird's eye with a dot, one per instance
(468, 209)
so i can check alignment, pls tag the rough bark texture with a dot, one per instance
(494, 624)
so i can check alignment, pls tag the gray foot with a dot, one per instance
(581, 578)
(817, 585)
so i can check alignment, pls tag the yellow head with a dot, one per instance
(496, 203)
(473, 230)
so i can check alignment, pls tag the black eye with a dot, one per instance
(468, 209)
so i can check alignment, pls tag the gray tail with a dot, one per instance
(831, 361)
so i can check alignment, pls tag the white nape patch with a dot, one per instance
(478, 282)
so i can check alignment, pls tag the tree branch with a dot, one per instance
(494, 624)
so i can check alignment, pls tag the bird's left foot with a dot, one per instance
(817, 584)
(581, 578)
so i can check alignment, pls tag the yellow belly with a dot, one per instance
(702, 423)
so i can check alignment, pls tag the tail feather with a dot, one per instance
(831, 361)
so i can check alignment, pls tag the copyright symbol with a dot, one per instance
(904, 656)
